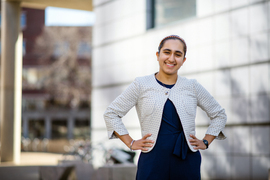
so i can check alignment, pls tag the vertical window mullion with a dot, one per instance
(150, 14)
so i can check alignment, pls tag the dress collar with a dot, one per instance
(158, 86)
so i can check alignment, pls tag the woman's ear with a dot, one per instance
(184, 60)
(157, 54)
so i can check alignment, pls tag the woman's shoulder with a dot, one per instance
(145, 79)
(192, 84)
(187, 81)
(146, 82)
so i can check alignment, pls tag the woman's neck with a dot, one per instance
(166, 79)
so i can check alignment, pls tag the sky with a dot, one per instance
(68, 17)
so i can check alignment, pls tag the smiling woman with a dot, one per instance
(166, 105)
(68, 17)
(171, 56)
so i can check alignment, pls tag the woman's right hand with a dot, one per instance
(143, 143)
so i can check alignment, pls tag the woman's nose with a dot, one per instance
(171, 58)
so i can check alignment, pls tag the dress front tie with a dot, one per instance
(181, 147)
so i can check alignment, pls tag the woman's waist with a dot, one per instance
(168, 132)
(170, 127)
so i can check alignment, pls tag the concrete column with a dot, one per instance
(25, 127)
(48, 127)
(11, 82)
(70, 127)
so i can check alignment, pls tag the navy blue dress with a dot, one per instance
(171, 158)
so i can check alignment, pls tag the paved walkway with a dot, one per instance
(36, 158)
(29, 166)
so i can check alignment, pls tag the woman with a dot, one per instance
(166, 106)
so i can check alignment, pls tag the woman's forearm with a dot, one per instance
(141, 144)
(198, 143)
(126, 139)
(209, 138)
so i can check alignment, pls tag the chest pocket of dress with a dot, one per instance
(147, 104)
(190, 103)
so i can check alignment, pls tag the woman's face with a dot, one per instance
(171, 57)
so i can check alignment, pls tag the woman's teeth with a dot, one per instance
(170, 64)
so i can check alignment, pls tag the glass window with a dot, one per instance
(59, 129)
(60, 48)
(24, 47)
(82, 129)
(23, 20)
(36, 129)
(84, 49)
(162, 12)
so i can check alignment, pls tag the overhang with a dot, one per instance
(42, 4)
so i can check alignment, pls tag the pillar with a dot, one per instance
(11, 82)
(70, 127)
(48, 127)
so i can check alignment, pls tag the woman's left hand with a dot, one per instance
(197, 143)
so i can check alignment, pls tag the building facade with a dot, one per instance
(11, 69)
(45, 114)
(49, 108)
(228, 52)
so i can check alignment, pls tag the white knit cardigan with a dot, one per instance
(149, 97)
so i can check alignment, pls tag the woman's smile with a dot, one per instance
(169, 64)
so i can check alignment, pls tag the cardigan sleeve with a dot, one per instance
(119, 108)
(214, 111)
